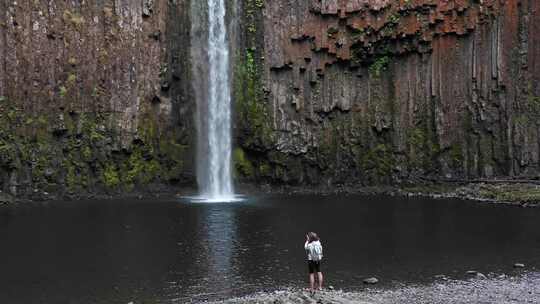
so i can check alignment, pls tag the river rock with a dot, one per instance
(371, 281)
(6, 199)
(480, 276)
(476, 274)
(441, 277)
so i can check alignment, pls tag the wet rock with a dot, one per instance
(59, 127)
(148, 8)
(480, 276)
(371, 281)
(49, 172)
(156, 35)
(441, 277)
(476, 274)
(6, 199)
(165, 86)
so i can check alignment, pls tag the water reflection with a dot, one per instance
(148, 251)
(211, 253)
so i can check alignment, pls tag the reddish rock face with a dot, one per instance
(391, 90)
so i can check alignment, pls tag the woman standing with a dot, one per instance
(315, 254)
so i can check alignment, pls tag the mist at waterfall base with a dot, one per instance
(169, 252)
(214, 140)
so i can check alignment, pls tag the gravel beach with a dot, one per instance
(524, 288)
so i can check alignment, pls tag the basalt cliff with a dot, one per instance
(98, 95)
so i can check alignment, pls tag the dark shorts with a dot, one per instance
(314, 266)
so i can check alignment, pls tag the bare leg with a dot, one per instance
(320, 277)
(312, 282)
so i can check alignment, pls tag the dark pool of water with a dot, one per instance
(173, 251)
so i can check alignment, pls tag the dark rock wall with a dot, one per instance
(95, 95)
(379, 91)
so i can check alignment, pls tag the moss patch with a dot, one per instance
(252, 113)
(243, 166)
(377, 163)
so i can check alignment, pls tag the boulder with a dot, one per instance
(371, 281)
(6, 199)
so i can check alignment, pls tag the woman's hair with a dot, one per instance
(313, 237)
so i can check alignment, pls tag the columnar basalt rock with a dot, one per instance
(94, 95)
(386, 91)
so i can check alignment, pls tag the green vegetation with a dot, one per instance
(63, 91)
(138, 170)
(259, 3)
(379, 65)
(252, 7)
(243, 167)
(332, 31)
(422, 148)
(378, 163)
(111, 178)
(356, 33)
(72, 18)
(513, 193)
(250, 106)
(72, 78)
(417, 140)
(81, 158)
(394, 19)
(534, 105)
(456, 155)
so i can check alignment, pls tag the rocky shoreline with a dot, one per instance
(525, 194)
(524, 288)
(520, 194)
(156, 192)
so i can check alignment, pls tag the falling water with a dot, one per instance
(215, 121)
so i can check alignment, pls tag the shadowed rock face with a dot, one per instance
(97, 94)
(387, 91)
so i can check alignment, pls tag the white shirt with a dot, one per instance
(311, 250)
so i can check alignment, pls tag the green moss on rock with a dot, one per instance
(111, 178)
(378, 163)
(243, 166)
(251, 109)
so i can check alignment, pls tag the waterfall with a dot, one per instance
(214, 108)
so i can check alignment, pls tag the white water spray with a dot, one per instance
(216, 181)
